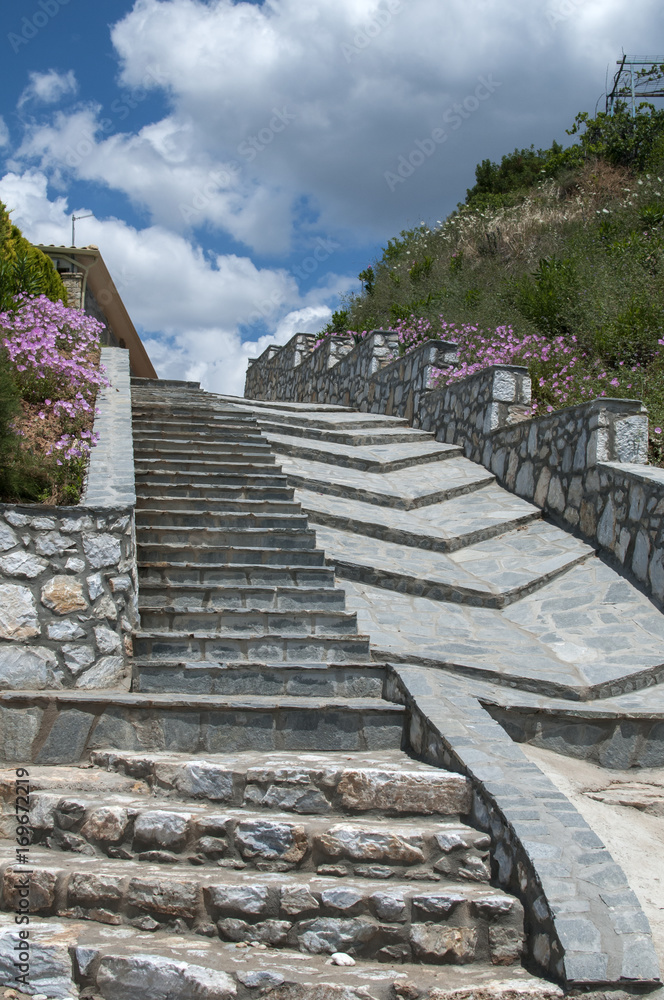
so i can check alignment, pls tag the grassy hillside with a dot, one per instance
(555, 260)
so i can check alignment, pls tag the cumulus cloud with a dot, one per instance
(189, 306)
(49, 87)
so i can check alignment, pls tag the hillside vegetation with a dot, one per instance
(555, 260)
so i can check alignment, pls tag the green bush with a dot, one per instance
(23, 268)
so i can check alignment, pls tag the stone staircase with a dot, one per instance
(257, 810)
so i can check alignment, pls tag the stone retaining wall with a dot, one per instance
(68, 582)
(584, 465)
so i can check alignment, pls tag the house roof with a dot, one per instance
(100, 283)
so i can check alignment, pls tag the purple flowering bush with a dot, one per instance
(53, 354)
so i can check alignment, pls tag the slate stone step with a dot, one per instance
(405, 489)
(490, 574)
(159, 517)
(214, 493)
(443, 923)
(216, 554)
(379, 458)
(170, 504)
(389, 783)
(273, 646)
(445, 526)
(203, 465)
(200, 433)
(69, 724)
(319, 680)
(171, 411)
(119, 963)
(220, 574)
(249, 537)
(158, 477)
(152, 444)
(351, 437)
(252, 838)
(202, 596)
(345, 420)
(249, 622)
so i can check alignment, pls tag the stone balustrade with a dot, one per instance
(68, 584)
(584, 465)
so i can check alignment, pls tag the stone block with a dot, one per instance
(23, 565)
(53, 544)
(163, 829)
(344, 899)
(18, 730)
(271, 840)
(29, 668)
(18, 613)
(65, 631)
(78, 657)
(8, 538)
(168, 899)
(67, 740)
(49, 958)
(205, 781)
(90, 890)
(505, 944)
(347, 842)
(390, 906)
(246, 899)
(326, 935)
(107, 640)
(40, 886)
(107, 672)
(153, 977)
(108, 824)
(436, 943)
(63, 595)
(102, 550)
(298, 900)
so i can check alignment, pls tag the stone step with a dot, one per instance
(351, 436)
(388, 783)
(274, 646)
(149, 444)
(158, 517)
(491, 573)
(231, 555)
(444, 526)
(320, 680)
(348, 420)
(220, 574)
(158, 477)
(170, 504)
(160, 463)
(253, 838)
(72, 723)
(194, 412)
(406, 489)
(249, 622)
(444, 922)
(213, 493)
(119, 963)
(249, 537)
(200, 433)
(379, 458)
(287, 406)
(193, 597)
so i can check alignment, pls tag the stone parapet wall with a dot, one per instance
(68, 579)
(584, 465)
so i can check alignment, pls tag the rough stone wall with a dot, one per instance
(68, 582)
(584, 465)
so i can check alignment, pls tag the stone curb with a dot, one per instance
(584, 926)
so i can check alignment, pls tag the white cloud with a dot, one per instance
(191, 307)
(4, 133)
(49, 87)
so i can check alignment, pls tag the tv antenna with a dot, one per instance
(74, 220)
(637, 78)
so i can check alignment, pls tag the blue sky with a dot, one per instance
(244, 161)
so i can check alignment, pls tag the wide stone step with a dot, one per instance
(213, 506)
(443, 923)
(220, 574)
(249, 537)
(249, 837)
(491, 574)
(344, 420)
(406, 489)
(173, 412)
(379, 458)
(158, 477)
(118, 964)
(231, 555)
(390, 783)
(249, 622)
(153, 444)
(444, 526)
(251, 598)
(213, 493)
(352, 437)
(198, 432)
(274, 646)
(159, 517)
(203, 466)
(319, 680)
(69, 724)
